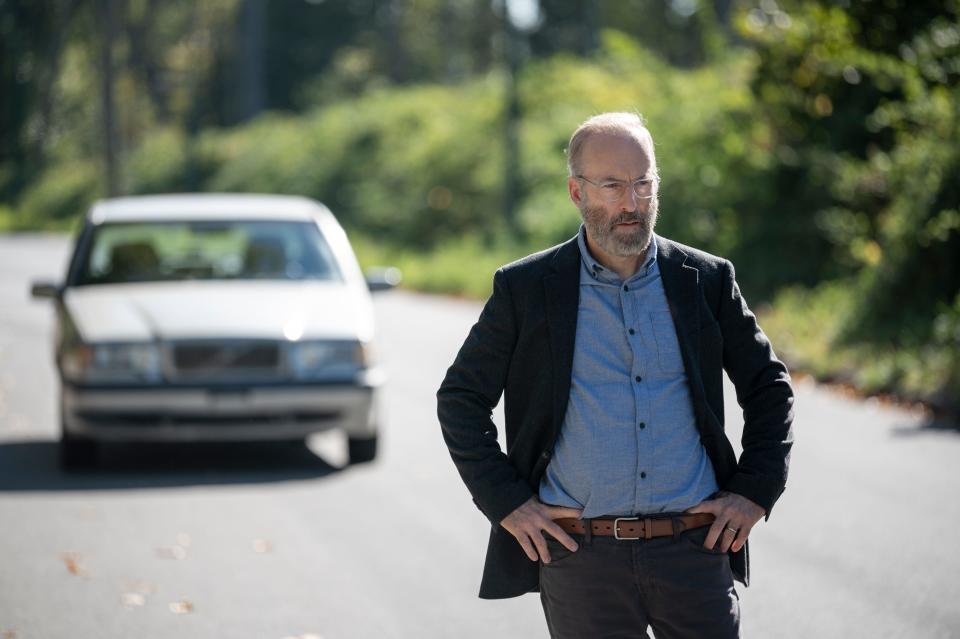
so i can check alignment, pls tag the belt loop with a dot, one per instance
(647, 528)
(677, 528)
(587, 531)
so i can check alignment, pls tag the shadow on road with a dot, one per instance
(939, 426)
(33, 465)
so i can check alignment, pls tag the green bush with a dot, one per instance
(160, 163)
(808, 328)
(423, 166)
(462, 267)
(7, 218)
(273, 154)
(60, 196)
(410, 166)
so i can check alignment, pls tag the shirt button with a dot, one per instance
(638, 378)
(643, 425)
(632, 331)
(643, 475)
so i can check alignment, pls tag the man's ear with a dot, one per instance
(573, 187)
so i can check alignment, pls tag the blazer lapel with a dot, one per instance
(681, 284)
(562, 288)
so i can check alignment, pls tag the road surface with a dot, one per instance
(281, 541)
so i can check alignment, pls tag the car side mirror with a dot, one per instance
(382, 278)
(47, 290)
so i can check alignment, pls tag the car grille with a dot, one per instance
(218, 360)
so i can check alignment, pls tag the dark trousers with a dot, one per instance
(615, 589)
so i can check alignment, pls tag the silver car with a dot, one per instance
(213, 318)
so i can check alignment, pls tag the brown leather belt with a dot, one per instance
(627, 528)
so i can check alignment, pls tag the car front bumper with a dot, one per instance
(213, 413)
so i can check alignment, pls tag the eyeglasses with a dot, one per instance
(614, 190)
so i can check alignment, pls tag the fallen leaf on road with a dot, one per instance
(183, 539)
(172, 552)
(142, 587)
(74, 563)
(132, 599)
(9, 634)
(181, 607)
(262, 546)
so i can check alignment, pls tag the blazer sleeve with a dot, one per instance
(465, 402)
(763, 392)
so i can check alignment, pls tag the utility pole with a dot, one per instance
(253, 18)
(511, 165)
(589, 26)
(520, 18)
(106, 19)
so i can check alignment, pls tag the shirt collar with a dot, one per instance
(600, 272)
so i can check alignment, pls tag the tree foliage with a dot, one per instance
(864, 105)
(816, 143)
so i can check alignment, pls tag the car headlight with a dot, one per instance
(313, 359)
(121, 362)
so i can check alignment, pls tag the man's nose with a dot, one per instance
(629, 200)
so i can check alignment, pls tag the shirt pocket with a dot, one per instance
(665, 336)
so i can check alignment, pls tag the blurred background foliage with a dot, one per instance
(816, 144)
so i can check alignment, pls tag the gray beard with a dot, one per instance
(620, 244)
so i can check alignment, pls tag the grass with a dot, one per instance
(463, 268)
(807, 328)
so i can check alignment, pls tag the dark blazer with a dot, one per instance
(522, 346)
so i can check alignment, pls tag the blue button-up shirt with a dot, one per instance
(629, 443)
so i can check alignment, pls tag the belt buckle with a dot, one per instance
(616, 528)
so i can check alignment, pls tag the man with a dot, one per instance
(619, 496)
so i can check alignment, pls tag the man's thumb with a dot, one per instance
(558, 512)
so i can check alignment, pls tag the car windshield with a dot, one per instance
(206, 250)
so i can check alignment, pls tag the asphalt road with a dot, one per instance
(282, 541)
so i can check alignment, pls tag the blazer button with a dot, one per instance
(545, 454)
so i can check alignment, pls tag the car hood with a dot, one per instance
(182, 310)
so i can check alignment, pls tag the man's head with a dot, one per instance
(613, 181)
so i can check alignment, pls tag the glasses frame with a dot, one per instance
(654, 183)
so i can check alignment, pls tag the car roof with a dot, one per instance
(206, 206)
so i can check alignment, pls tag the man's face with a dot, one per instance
(623, 227)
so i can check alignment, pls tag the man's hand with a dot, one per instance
(735, 516)
(528, 523)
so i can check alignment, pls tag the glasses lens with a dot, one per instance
(613, 190)
(643, 188)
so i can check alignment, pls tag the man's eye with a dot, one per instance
(611, 185)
